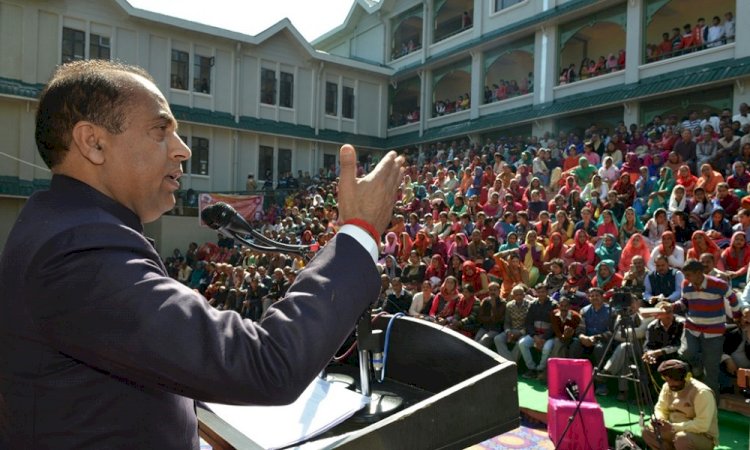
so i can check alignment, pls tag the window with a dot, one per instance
(202, 74)
(179, 73)
(265, 163)
(199, 159)
(332, 100)
(284, 162)
(99, 47)
(73, 45)
(268, 86)
(347, 102)
(329, 161)
(286, 90)
(502, 4)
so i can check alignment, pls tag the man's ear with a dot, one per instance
(85, 140)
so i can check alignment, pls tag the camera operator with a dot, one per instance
(566, 324)
(663, 282)
(597, 322)
(626, 307)
(685, 416)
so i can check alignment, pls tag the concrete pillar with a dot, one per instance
(539, 127)
(477, 83)
(633, 41)
(428, 22)
(426, 105)
(741, 19)
(546, 71)
(631, 113)
(740, 94)
(478, 17)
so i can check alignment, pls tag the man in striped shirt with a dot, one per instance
(703, 304)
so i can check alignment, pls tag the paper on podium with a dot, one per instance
(321, 406)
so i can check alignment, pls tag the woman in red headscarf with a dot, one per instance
(686, 178)
(405, 246)
(704, 244)
(632, 167)
(422, 244)
(444, 303)
(436, 269)
(556, 247)
(582, 251)
(625, 189)
(736, 258)
(476, 277)
(669, 248)
(636, 246)
(569, 186)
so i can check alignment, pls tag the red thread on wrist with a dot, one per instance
(367, 226)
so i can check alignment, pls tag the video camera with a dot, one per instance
(621, 300)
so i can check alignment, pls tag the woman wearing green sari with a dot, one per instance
(609, 248)
(664, 185)
(583, 171)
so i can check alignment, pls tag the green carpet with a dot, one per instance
(734, 428)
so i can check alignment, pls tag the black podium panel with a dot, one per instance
(468, 394)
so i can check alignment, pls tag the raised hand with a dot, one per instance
(370, 198)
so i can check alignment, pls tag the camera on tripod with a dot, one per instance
(621, 301)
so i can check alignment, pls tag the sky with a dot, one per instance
(312, 18)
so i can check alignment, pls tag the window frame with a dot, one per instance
(182, 66)
(331, 104)
(99, 46)
(286, 90)
(202, 66)
(201, 152)
(263, 166)
(72, 43)
(347, 102)
(268, 81)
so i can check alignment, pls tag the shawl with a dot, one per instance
(601, 282)
(709, 246)
(611, 252)
(635, 247)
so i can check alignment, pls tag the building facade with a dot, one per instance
(395, 74)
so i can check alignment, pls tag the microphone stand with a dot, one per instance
(370, 345)
(277, 247)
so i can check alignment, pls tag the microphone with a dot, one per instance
(221, 216)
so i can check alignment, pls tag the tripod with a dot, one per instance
(625, 325)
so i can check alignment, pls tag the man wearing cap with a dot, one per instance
(685, 415)
(703, 304)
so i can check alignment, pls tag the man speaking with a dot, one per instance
(99, 348)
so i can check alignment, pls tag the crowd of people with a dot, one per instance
(505, 89)
(405, 48)
(592, 67)
(692, 38)
(448, 106)
(520, 242)
(397, 118)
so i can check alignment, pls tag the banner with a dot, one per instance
(249, 206)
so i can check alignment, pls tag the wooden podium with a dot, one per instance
(456, 393)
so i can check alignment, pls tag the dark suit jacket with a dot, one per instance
(99, 348)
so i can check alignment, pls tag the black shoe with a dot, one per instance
(530, 374)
